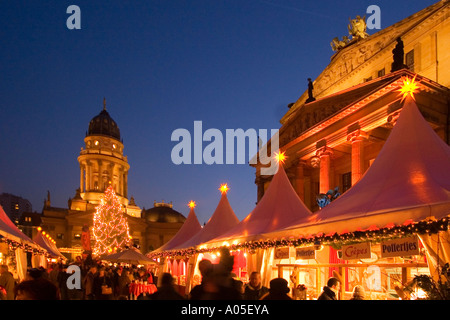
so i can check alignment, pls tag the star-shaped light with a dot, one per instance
(224, 188)
(409, 87)
(192, 204)
(280, 157)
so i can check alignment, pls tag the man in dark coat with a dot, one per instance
(7, 282)
(330, 290)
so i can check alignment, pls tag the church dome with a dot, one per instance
(104, 125)
(163, 212)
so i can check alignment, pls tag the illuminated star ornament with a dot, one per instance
(409, 87)
(224, 188)
(192, 204)
(280, 157)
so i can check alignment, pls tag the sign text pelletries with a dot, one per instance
(305, 253)
(400, 247)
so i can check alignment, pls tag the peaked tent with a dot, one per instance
(128, 255)
(411, 171)
(222, 220)
(49, 246)
(189, 228)
(9, 230)
(409, 180)
(278, 208)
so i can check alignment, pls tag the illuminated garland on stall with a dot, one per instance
(110, 229)
(336, 240)
(13, 245)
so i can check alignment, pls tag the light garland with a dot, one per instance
(110, 230)
(336, 240)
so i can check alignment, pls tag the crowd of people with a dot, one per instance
(98, 282)
(104, 282)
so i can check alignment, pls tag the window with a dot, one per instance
(346, 181)
(381, 72)
(409, 59)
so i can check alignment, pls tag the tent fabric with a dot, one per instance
(278, 208)
(9, 230)
(411, 171)
(222, 220)
(190, 227)
(49, 246)
(438, 252)
(130, 256)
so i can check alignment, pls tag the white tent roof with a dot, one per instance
(9, 230)
(222, 220)
(409, 180)
(278, 208)
(190, 227)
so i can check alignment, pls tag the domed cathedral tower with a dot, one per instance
(102, 163)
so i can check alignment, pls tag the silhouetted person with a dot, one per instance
(7, 282)
(204, 266)
(167, 289)
(37, 289)
(398, 55)
(278, 290)
(310, 91)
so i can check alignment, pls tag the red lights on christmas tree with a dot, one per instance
(111, 232)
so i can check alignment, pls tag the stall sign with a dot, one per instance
(282, 253)
(356, 251)
(400, 247)
(305, 253)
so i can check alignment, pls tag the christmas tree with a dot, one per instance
(110, 230)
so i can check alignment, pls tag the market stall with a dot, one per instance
(400, 204)
(15, 245)
(222, 220)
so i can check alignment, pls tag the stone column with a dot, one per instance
(357, 138)
(82, 179)
(324, 153)
(125, 184)
(299, 183)
(88, 176)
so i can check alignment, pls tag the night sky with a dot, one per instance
(161, 65)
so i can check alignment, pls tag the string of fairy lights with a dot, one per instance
(110, 228)
(336, 240)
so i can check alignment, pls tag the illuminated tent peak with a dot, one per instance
(9, 230)
(189, 228)
(222, 220)
(411, 170)
(278, 208)
(48, 245)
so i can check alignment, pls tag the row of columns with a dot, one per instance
(87, 174)
(325, 154)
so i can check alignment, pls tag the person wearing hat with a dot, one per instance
(278, 290)
(358, 293)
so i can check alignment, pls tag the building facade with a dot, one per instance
(103, 164)
(336, 128)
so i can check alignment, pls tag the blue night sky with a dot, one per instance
(161, 64)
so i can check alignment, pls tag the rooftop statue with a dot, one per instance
(357, 28)
(337, 44)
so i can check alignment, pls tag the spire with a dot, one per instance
(104, 104)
